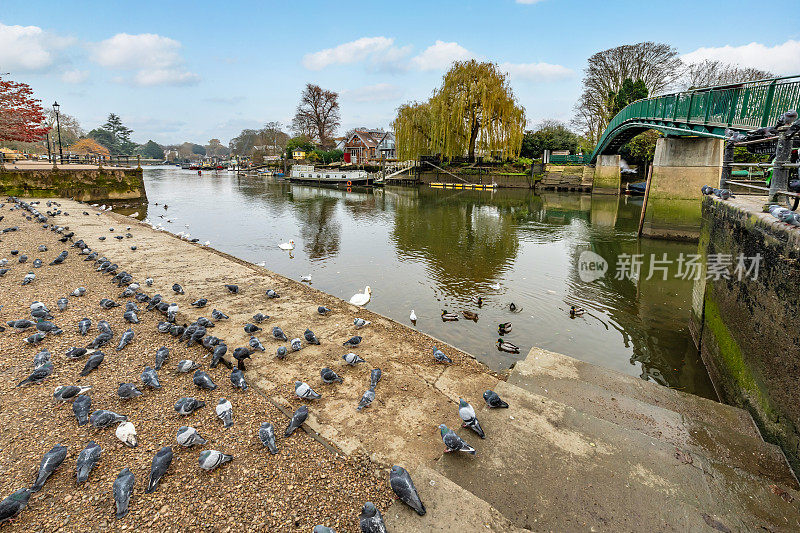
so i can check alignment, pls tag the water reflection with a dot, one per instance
(428, 249)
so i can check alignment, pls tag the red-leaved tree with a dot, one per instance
(21, 115)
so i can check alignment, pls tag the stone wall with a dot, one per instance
(521, 181)
(748, 330)
(80, 184)
(607, 176)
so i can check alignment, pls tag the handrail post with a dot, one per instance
(689, 110)
(780, 174)
(768, 105)
(708, 106)
(734, 103)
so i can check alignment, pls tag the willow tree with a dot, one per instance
(474, 109)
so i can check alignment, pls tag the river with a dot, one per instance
(430, 249)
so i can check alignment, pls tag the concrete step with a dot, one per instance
(703, 431)
(547, 466)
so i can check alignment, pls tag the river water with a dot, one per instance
(429, 249)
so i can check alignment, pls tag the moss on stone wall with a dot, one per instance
(82, 184)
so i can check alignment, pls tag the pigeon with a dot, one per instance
(251, 328)
(493, 400)
(310, 337)
(36, 338)
(360, 323)
(371, 520)
(352, 359)
(101, 340)
(21, 325)
(87, 460)
(233, 289)
(65, 393)
(178, 289)
(374, 377)
(304, 391)
(322, 529)
(41, 358)
(211, 459)
(188, 437)
(237, 378)
(296, 345)
(14, 504)
(130, 316)
(279, 334)
(240, 354)
(187, 365)
(149, 282)
(206, 323)
(224, 411)
(272, 294)
(203, 381)
(219, 315)
(323, 310)
(217, 356)
(150, 378)
(62, 304)
(366, 399)
(297, 420)
(29, 277)
(454, 443)
(81, 407)
(172, 310)
(163, 327)
(467, 414)
(329, 376)
(4, 271)
(280, 353)
(256, 344)
(38, 375)
(92, 363)
(161, 356)
(186, 406)
(23, 258)
(104, 327)
(126, 391)
(122, 488)
(37, 263)
(199, 303)
(107, 303)
(161, 463)
(154, 302)
(126, 433)
(50, 462)
(440, 357)
(266, 434)
(102, 418)
(258, 318)
(80, 291)
(352, 341)
(126, 339)
(402, 485)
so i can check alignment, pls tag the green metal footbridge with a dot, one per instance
(704, 112)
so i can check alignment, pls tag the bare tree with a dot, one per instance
(274, 138)
(317, 115)
(713, 72)
(656, 64)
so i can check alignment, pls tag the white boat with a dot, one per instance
(308, 174)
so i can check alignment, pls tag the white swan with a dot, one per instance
(361, 298)
(286, 245)
(413, 316)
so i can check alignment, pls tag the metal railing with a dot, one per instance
(577, 159)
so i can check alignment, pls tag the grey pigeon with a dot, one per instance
(13, 504)
(371, 520)
(178, 289)
(217, 356)
(233, 289)
(218, 315)
(62, 304)
(92, 363)
(360, 323)
(322, 529)
(352, 359)
(402, 485)
(104, 327)
(159, 467)
(107, 303)
(38, 375)
(83, 325)
(298, 418)
(76, 352)
(65, 393)
(279, 334)
(60, 259)
(266, 434)
(186, 406)
(454, 443)
(251, 328)
(352, 341)
(187, 365)
(80, 291)
(50, 462)
(101, 340)
(29, 277)
(37, 263)
(224, 411)
(41, 357)
(122, 488)
(150, 378)
(272, 294)
(161, 356)
(367, 398)
(323, 310)
(240, 354)
(493, 400)
(310, 337)
(296, 345)
(303, 390)
(203, 381)
(163, 327)
(280, 353)
(87, 460)
(329, 376)
(21, 325)
(188, 437)
(45, 327)
(258, 318)
(440, 357)
(199, 303)
(81, 407)
(467, 414)
(237, 378)
(374, 377)
(126, 339)
(130, 316)
(256, 344)
(103, 418)
(211, 459)
(126, 391)
(36, 338)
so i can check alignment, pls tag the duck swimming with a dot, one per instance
(449, 317)
(505, 346)
(478, 300)
(504, 328)
(575, 311)
(469, 315)
(513, 308)
(286, 245)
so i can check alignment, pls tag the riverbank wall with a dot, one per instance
(746, 329)
(84, 184)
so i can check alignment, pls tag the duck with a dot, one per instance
(575, 311)
(478, 300)
(513, 308)
(287, 245)
(504, 328)
(361, 298)
(495, 287)
(449, 317)
(505, 346)
(469, 315)
(413, 317)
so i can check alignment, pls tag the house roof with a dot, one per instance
(371, 138)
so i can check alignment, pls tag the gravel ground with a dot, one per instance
(303, 485)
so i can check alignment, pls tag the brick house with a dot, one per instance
(368, 146)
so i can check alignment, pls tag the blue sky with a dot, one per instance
(177, 71)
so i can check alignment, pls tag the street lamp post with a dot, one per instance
(56, 107)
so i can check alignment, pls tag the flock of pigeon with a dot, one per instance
(41, 323)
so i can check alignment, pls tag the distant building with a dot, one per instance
(369, 146)
(298, 154)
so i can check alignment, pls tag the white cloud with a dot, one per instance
(379, 50)
(781, 59)
(380, 92)
(29, 48)
(440, 55)
(156, 58)
(74, 76)
(537, 71)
